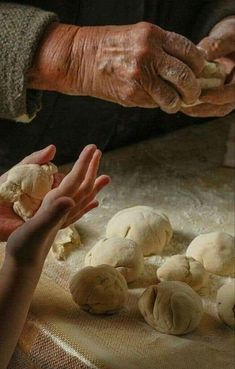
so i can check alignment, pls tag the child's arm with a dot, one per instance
(28, 246)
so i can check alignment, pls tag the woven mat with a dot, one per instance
(180, 174)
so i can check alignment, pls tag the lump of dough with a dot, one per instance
(144, 225)
(213, 75)
(181, 268)
(123, 254)
(171, 307)
(99, 290)
(26, 186)
(215, 251)
(226, 303)
(67, 240)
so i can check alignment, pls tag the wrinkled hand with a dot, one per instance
(134, 65)
(219, 46)
(81, 182)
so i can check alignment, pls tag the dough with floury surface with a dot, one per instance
(213, 75)
(171, 307)
(146, 226)
(123, 254)
(67, 240)
(99, 290)
(26, 186)
(184, 269)
(215, 251)
(226, 303)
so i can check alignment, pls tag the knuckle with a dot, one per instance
(184, 76)
(142, 53)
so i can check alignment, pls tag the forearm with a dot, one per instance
(50, 63)
(17, 286)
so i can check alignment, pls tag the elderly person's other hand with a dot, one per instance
(220, 46)
(134, 65)
(81, 185)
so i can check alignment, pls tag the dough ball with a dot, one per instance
(99, 290)
(226, 303)
(213, 75)
(123, 254)
(215, 251)
(171, 307)
(142, 224)
(66, 241)
(181, 268)
(26, 186)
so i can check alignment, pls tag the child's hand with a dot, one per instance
(9, 221)
(62, 206)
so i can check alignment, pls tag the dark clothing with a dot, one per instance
(72, 122)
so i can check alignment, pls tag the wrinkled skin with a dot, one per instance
(133, 65)
(81, 184)
(220, 46)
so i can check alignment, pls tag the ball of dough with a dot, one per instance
(66, 241)
(123, 254)
(26, 186)
(226, 303)
(215, 251)
(142, 224)
(181, 268)
(99, 290)
(171, 307)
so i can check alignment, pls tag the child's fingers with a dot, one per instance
(82, 203)
(41, 156)
(72, 181)
(90, 177)
(92, 205)
(99, 184)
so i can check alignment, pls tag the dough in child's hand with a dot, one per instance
(123, 254)
(99, 290)
(66, 241)
(171, 307)
(144, 225)
(215, 251)
(226, 303)
(181, 268)
(26, 186)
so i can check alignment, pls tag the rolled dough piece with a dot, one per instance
(213, 75)
(184, 269)
(99, 290)
(171, 307)
(215, 251)
(26, 186)
(66, 241)
(144, 225)
(226, 303)
(123, 254)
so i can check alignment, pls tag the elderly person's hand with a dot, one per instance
(219, 46)
(134, 65)
(81, 185)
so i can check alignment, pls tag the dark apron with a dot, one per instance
(72, 122)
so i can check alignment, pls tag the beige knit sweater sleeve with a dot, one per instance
(21, 28)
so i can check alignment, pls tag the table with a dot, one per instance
(182, 175)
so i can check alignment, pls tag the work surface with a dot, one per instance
(182, 175)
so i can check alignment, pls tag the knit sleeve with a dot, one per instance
(212, 12)
(21, 28)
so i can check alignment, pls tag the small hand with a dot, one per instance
(219, 46)
(62, 206)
